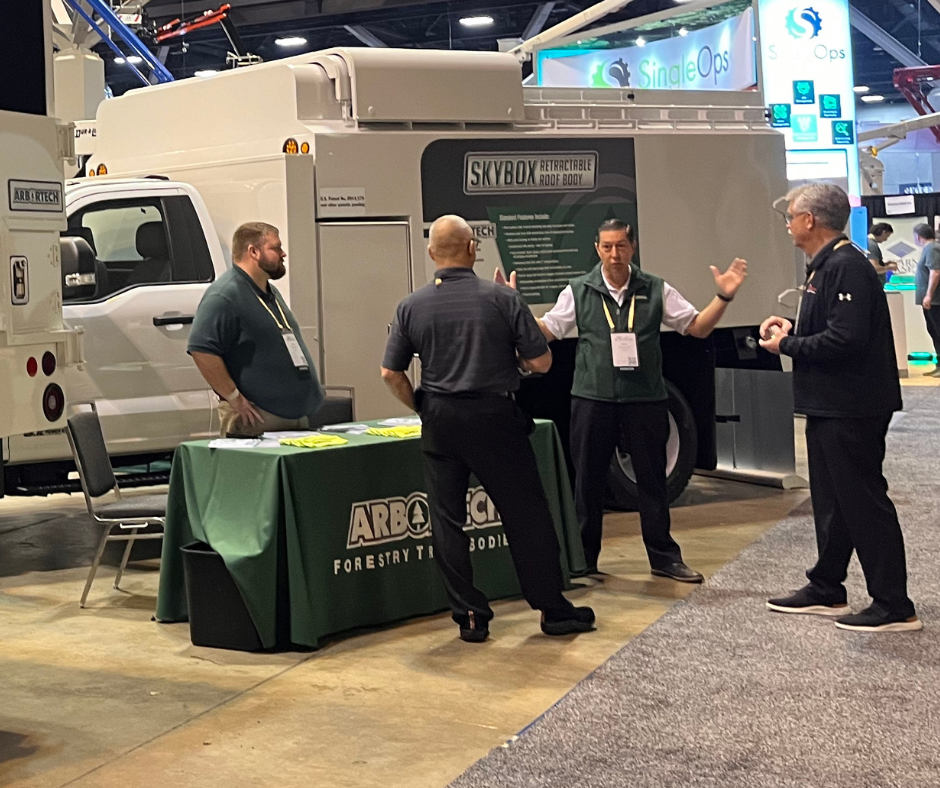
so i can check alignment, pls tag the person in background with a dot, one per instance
(845, 380)
(879, 234)
(472, 336)
(619, 393)
(926, 278)
(246, 342)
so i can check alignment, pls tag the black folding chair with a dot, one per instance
(127, 515)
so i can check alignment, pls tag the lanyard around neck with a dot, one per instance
(283, 326)
(843, 242)
(610, 320)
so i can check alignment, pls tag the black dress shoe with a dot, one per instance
(678, 571)
(567, 620)
(468, 635)
(472, 629)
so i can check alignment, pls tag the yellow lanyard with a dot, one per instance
(843, 242)
(285, 326)
(610, 320)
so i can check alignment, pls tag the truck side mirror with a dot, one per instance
(79, 269)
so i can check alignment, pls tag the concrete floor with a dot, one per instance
(105, 697)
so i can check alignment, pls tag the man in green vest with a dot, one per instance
(619, 394)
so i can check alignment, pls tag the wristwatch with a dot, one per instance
(725, 298)
(233, 396)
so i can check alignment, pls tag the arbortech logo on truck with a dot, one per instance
(387, 520)
(35, 196)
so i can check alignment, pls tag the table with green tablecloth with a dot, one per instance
(349, 526)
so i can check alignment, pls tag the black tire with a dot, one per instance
(681, 452)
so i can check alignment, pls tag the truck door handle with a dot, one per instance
(173, 320)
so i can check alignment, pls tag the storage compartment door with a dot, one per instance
(364, 273)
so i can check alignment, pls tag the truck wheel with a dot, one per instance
(681, 449)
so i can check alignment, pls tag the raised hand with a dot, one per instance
(729, 281)
(501, 280)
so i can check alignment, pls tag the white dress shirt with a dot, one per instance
(677, 312)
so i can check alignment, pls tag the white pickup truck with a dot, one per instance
(157, 251)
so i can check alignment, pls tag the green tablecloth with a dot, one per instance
(353, 522)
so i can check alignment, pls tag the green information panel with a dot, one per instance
(535, 205)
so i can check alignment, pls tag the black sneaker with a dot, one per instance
(567, 621)
(873, 620)
(678, 571)
(808, 601)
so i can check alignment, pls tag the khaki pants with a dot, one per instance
(231, 426)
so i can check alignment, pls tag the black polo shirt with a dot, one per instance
(466, 331)
(844, 364)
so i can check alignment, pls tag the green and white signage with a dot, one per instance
(719, 57)
(535, 205)
(806, 60)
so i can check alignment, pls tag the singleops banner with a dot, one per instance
(806, 59)
(719, 57)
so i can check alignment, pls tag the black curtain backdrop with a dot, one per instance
(924, 205)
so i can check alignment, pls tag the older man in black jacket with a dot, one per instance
(846, 382)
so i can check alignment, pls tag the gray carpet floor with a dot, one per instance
(722, 693)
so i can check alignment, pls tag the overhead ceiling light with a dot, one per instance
(861, 88)
(641, 42)
(872, 99)
(120, 61)
(205, 72)
(476, 21)
(290, 41)
(683, 31)
(134, 59)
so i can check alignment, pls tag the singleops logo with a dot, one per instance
(808, 15)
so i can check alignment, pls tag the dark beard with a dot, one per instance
(275, 271)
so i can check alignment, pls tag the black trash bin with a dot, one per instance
(218, 617)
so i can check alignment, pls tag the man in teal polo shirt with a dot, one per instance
(247, 344)
(619, 394)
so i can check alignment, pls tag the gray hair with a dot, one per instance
(827, 202)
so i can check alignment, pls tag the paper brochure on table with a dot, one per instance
(243, 443)
(349, 429)
(400, 421)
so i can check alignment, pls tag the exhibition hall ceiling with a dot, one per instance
(321, 24)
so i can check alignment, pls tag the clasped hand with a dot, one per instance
(772, 332)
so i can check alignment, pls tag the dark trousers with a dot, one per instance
(487, 437)
(853, 511)
(932, 316)
(642, 429)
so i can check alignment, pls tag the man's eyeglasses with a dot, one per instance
(791, 216)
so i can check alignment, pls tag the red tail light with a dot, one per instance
(48, 363)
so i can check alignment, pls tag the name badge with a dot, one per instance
(295, 350)
(625, 354)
